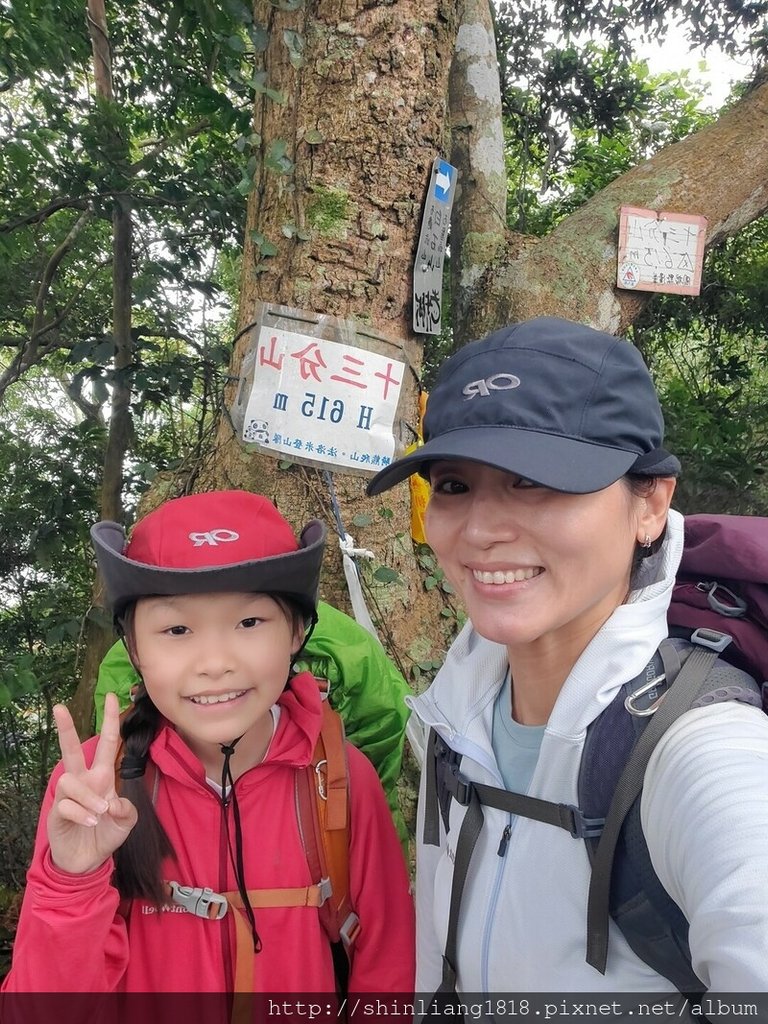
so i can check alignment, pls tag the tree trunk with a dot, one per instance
(363, 120)
(478, 222)
(97, 631)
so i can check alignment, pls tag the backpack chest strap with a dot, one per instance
(212, 906)
(565, 816)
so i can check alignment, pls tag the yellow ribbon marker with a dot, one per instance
(419, 486)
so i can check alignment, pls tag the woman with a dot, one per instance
(549, 485)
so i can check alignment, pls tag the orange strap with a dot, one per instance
(336, 789)
(303, 896)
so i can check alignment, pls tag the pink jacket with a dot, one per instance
(71, 937)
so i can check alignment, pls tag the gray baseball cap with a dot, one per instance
(556, 402)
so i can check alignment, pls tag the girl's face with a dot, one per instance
(214, 664)
(532, 565)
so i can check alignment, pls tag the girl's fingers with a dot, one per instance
(69, 741)
(76, 813)
(123, 813)
(109, 740)
(76, 789)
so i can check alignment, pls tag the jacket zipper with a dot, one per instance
(504, 841)
(493, 904)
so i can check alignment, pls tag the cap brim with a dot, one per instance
(560, 463)
(293, 574)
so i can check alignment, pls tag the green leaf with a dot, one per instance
(26, 681)
(277, 158)
(236, 43)
(361, 519)
(277, 96)
(259, 38)
(314, 137)
(385, 575)
(295, 44)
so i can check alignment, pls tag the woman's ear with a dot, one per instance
(655, 509)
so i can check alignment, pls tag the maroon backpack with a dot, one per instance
(722, 584)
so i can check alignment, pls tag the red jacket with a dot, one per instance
(71, 937)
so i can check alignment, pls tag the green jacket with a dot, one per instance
(364, 687)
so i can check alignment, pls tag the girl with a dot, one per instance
(549, 486)
(215, 598)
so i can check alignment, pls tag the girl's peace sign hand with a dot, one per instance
(88, 821)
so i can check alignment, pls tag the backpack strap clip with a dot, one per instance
(734, 607)
(711, 638)
(454, 782)
(579, 825)
(325, 889)
(349, 930)
(202, 902)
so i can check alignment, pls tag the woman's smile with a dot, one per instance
(500, 576)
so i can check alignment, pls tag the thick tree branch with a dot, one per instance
(63, 203)
(721, 172)
(31, 352)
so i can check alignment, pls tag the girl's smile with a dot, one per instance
(214, 665)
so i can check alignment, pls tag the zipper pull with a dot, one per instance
(504, 840)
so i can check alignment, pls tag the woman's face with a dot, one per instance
(532, 564)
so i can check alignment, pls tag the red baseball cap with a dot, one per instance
(215, 542)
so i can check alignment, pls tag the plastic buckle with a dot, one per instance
(460, 788)
(734, 607)
(326, 890)
(198, 901)
(580, 826)
(711, 638)
(350, 930)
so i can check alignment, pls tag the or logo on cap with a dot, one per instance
(214, 537)
(496, 382)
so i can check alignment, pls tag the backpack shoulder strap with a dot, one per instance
(691, 682)
(322, 802)
(651, 922)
